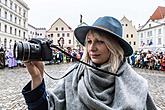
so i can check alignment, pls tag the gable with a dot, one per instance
(58, 25)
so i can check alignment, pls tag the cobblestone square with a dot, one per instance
(13, 80)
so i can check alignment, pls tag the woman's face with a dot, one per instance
(97, 50)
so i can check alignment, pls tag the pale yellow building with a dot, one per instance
(61, 33)
(129, 33)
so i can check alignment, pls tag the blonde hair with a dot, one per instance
(116, 52)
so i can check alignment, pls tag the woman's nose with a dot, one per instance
(93, 47)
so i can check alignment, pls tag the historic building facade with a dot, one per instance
(152, 34)
(129, 33)
(13, 22)
(61, 34)
(34, 32)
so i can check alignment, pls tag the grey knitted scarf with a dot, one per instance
(90, 93)
(102, 91)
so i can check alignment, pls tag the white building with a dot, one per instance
(129, 33)
(61, 33)
(34, 32)
(13, 22)
(152, 34)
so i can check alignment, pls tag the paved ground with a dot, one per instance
(13, 80)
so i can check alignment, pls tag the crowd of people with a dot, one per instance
(148, 60)
(59, 57)
(140, 59)
(8, 60)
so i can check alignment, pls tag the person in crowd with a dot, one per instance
(109, 83)
(10, 59)
(162, 63)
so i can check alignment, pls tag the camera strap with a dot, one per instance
(114, 74)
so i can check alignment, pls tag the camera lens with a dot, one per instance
(22, 51)
(26, 51)
(18, 50)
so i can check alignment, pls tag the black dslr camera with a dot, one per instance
(37, 49)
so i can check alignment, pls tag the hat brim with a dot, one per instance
(80, 34)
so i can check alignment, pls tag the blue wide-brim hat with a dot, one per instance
(107, 24)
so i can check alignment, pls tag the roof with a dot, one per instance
(158, 14)
(61, 21)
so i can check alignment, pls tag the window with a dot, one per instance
(63, 34)
(11, 17)
(149, 33)
(131, 35)
(134, 43)
(51, 35)
(127, 35)
(0, 12)
(15, 31)
(159, 41)
(11, 5)
(58, 35)
(10, 30)
(159, 31)
(5, 14)
(62, 28)
(10, 43)
(56, 28)
(15, 7)
(142, 43)
(5, 43)
(5, 28)
(19, 33)
(24, 23)
(69, 41)
(19, 10)
(6, 2)
(141, 35)
(130, 42)
(24, 13)
(68, 34)
(126, 24)
(148, 41)
(149, 25)
(15, 19)
(23, 35)
(19, 21)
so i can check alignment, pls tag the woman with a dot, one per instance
(113, 86)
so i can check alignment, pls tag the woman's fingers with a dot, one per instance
(35, 68)
(40, 66)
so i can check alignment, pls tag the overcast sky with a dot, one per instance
(43, 13)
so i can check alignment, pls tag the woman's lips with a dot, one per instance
(94, 55)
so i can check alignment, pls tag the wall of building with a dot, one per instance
(61, 31)
(129, 33)
(13, 22)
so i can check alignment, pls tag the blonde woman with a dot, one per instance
(109, 83)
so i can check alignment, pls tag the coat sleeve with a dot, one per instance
(37, 98)
(150, 105)
(40, 99)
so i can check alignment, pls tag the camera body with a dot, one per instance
(37, 49)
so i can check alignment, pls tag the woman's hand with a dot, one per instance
(36, 70)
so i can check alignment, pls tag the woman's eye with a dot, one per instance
(89, 41)
(100, 41)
